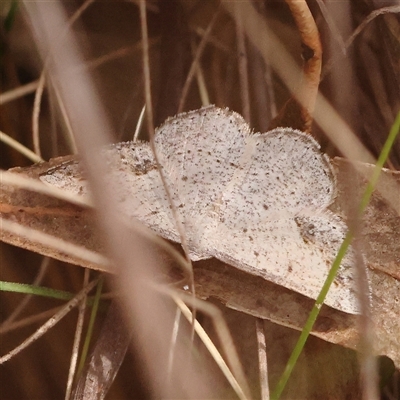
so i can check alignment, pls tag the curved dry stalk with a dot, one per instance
(312, 53)
(368, 19)
(291, 114)
(50, 323)
(374, 14)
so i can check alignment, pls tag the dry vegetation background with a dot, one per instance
(361, 80)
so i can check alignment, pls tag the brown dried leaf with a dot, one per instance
(234, 288)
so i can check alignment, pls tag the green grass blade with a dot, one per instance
(336, 264)
(25, 288)
(35, 290)
(89, 333)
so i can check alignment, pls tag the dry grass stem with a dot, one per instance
(139, 124)
(371, 17)
(150, 124)
(221, 329)
(368, 361)
(18, 92)
(261, 36)
(218, 44)
(125, 248)
(350, 40)
(332, 25)
(36, 113)
(20, 148)
(77, 339)
(100, 60)
(237, 381)
(243, 69)
(262, 358)
(29, 320)
(174, 338)
(42, 83)
(196, 61)
(201, 82)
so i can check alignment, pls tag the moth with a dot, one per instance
(256, 201)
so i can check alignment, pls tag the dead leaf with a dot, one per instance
(236, 289)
